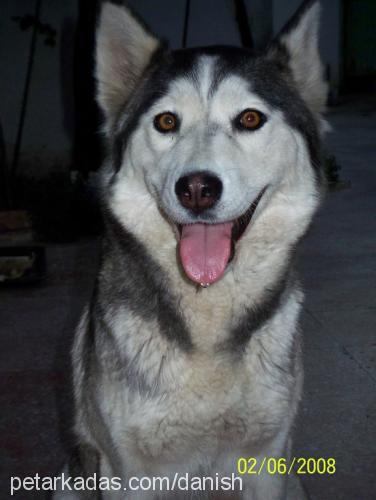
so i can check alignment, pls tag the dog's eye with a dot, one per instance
(250, 119)
(166, 122)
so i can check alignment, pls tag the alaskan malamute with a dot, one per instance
(188, 356)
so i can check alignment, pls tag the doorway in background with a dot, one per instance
(359, 49)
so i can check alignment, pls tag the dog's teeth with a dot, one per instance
(204, 285)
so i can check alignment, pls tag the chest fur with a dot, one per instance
(165, 404)
(215, 405)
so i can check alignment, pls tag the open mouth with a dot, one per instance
(206, 249)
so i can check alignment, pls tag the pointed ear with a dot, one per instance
(297, 48)
(123, 51)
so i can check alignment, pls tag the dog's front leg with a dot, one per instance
(126, 487)
(83, 464)
(264, 485)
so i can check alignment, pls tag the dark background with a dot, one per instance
(49, 121)
(50, 150)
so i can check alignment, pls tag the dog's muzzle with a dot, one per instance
(206, 248)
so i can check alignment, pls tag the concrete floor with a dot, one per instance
(337, 263)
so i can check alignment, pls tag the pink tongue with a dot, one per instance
(205, 250)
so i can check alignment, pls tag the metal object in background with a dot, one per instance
(186, 23)
(241, 17)
(30, 63)
(5, 196)
(87, 147)
(22, 265)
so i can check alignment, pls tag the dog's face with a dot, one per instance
(215, 136)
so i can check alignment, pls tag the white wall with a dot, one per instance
(260, 14)
(47, 136)
(165, 19)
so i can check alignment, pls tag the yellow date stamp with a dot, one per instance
(282, 466)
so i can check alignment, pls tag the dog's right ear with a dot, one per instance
(123, 51)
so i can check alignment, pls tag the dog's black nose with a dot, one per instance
(198, 191)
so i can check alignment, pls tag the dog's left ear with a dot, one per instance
(296, 47)
(124, 48)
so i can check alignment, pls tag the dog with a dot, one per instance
(188, 355)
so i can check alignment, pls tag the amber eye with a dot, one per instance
(166, 122)
(250, 119)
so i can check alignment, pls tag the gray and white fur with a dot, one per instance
(169, 377)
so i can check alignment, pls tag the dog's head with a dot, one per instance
(212, 138)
